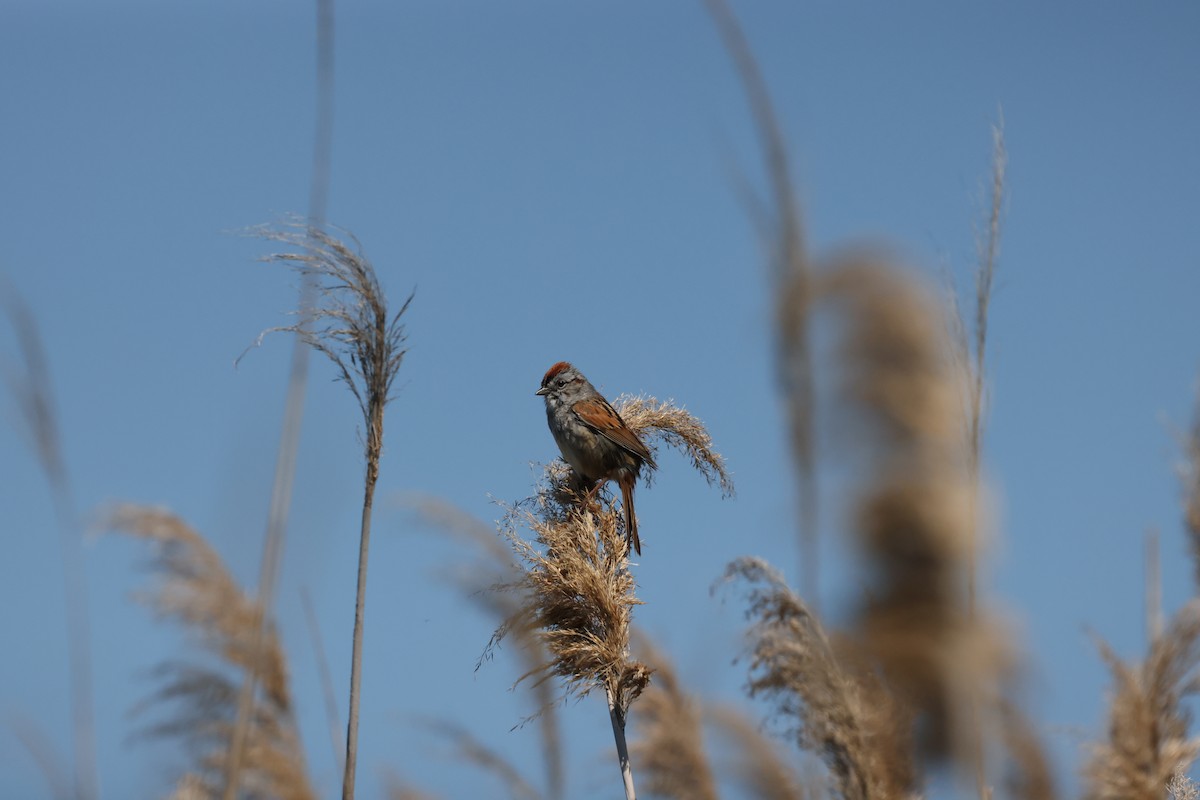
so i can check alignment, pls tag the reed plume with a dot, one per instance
(914, 514)
(351, 325)
(575, 589)
(196, 590)
(1148, 743)
(831, 705)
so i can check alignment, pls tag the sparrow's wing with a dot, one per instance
(598, 415)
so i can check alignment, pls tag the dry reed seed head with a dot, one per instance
(1148, 741)
(916, 510)
(679, 429)
(196, 589)
(898, 371)
(912, 523)
(832, 711)
(1181, 787)
(350, 322)
(579, 595)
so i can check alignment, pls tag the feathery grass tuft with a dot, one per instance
(1181, 787)
(1148, 742)
(677, 428)
(351, 324)
(196, 589)
(833, 707)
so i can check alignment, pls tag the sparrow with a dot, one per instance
(593, 438)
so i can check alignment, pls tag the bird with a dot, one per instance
(593, 438)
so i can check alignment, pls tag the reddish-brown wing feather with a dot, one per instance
(598, 415)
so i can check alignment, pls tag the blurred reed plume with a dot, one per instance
(352, 326)
(670, 745)
(914, 515)
(196, 590)
(32, 388)
(833, 707)
(1148, 743)
(575, 590)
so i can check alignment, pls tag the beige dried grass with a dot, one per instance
(828, 702)
(1181, 787)
(196, 590)
(1148, 742)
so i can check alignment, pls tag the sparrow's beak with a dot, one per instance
(542, 391)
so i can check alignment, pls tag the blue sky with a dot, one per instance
(561, 181)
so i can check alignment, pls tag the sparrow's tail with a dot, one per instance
(631, 533)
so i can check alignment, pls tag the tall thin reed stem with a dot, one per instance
(359, 609)
(618, 726)
(293, 412)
